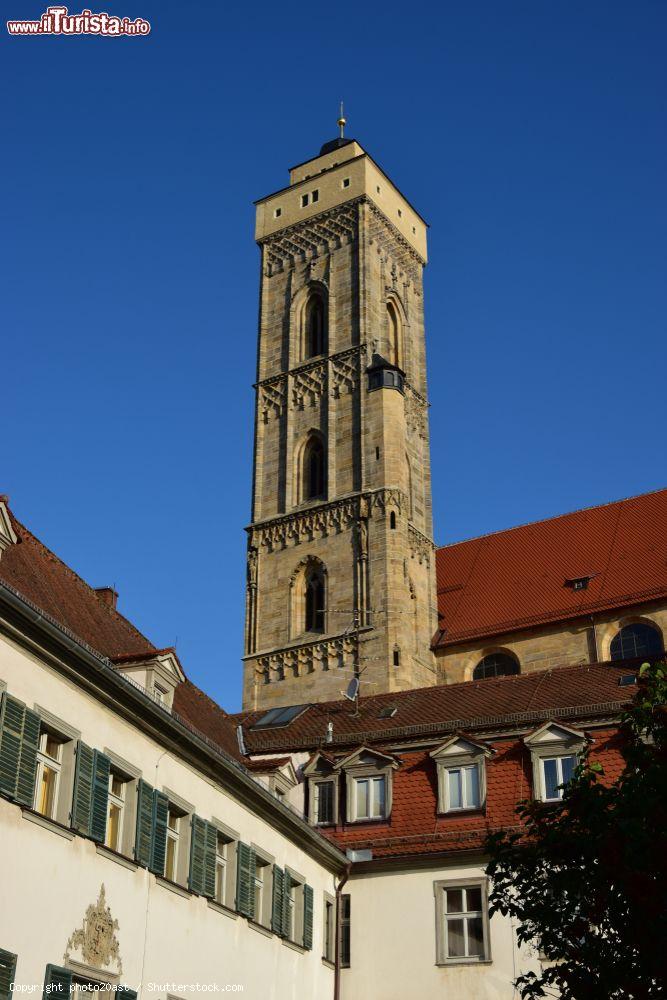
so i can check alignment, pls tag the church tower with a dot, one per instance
(341, 563)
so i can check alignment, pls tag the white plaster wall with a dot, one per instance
(48, 881)
(393, 943)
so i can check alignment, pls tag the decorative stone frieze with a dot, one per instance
(308, 385)
(421, 547)
(320, 235)
(297, 661)
(272, 398)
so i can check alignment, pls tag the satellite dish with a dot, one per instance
(352, 689)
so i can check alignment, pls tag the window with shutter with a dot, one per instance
(19, 738)
(100, 797)
(307, 916)
(160, 821)
(143, 843)
(125, 993)
(345, 927)
(288, 906)
(83, 788)
(7, 972)
(57, 982)
(203, 849)
(245, 881)
(277, 901)
(324, 792)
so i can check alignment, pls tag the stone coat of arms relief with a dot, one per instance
(95, 942)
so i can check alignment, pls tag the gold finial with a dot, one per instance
(342, 122)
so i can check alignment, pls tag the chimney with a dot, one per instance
(108, 595)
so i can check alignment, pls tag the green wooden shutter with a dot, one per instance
(307, 916)
(100, 797)
(160, 819)
(83, 788)
(197, 855)
(245, 881)
(57, 982)
(209, 860)
(25, 783)
(287, 931)
(125, 993)
(143, 838)
(277, 901)
(11, 728)
(7, 970)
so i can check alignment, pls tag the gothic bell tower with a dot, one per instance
(341, 564)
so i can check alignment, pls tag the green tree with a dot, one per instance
(585, 882)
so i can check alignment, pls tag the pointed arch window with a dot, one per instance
(314, 618)
(394, 335)
(315, 326)
(313, 471)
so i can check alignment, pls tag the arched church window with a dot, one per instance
(314, 618)
(495, 665)
(394, 335)
(313, 469)
(638, 639)
(315, 326)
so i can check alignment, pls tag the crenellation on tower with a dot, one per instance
(341, 528)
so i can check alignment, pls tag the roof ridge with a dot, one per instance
(28, 536)
(554, 517)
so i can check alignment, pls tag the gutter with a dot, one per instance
(339, 915)
(165, 723)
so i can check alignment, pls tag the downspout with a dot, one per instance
(339, 916)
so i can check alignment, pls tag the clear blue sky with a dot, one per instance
(529, 134)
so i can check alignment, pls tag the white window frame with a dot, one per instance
(373, 781)
(467, 765)
(558, 757)
(329, 928)
(295, 908)
(119, 801)
(46, 762)
(455, 755)
(552, 740)
(442, 918)
(173, 835)
(315, 801)
(367, 763)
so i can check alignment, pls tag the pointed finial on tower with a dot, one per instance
(342, 122)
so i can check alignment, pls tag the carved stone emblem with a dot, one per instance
(95, 941)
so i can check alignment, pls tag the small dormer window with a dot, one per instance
(368, 776)
(578, 582)
(461, 764)
(555, 751)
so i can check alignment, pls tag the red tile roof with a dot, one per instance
(568, 691)
(415, 827)
(515, 579)
(36, 573)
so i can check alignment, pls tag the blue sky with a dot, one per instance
(529, 134)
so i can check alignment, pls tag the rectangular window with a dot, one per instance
(346, 912)
(277, 213)
(223, 847)
(346, 182)
(49, 760)
(116, 807)
(462, 922)
(463, 788)
(324, 792)
(557, 771)
(173, 837)
(315, 195)
(304, 200)
(370, 797)
(329, 925)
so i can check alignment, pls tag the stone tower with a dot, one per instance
(341, 566)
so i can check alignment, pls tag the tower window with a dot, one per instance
(315, 195)
(397, 656)
(377, 454)
(314, 601)
(304, 200)
(346, 182)
(638, 639)
(314, 477)
(400, 214)
(378, 189)
(495, 665)
(315, 324)
(277, 213)
(392, 520)
(394, 334)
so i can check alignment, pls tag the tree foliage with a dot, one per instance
(585, 882)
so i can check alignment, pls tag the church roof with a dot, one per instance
(522, 577)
